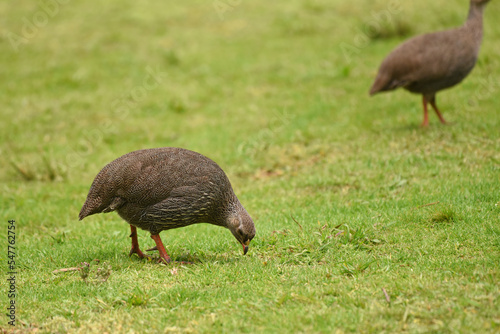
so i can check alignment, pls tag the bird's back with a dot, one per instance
(147, 177)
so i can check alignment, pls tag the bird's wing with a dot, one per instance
(184, 206)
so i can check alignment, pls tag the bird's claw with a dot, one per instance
(139, 253)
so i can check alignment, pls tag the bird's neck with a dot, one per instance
(474, 23)
(228, 211)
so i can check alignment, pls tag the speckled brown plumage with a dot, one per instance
(164, 188)
(429, 63)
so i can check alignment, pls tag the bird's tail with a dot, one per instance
(378, 85)
(96, 204)
(90, 207)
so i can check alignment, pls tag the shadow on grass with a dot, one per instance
(185, 258)
(418, 127)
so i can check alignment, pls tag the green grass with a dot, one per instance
(348, 194)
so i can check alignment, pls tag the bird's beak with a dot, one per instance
(245, 247)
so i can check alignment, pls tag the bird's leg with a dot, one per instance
(135, 243)
(434, 106)
(426, 113)
(159, 245)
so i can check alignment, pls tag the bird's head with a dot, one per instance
(241, 226)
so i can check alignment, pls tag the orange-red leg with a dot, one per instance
(434, 106)
(135, 243)
(159, 245)
(426, 113)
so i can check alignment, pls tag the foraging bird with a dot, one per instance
(163, 188)
(429, 63)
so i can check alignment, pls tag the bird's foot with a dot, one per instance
(138, 252)
(135, 244)
(165, 259)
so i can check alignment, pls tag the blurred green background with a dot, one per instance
(277, 95)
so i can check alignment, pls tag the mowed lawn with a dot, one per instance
(366, 223)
